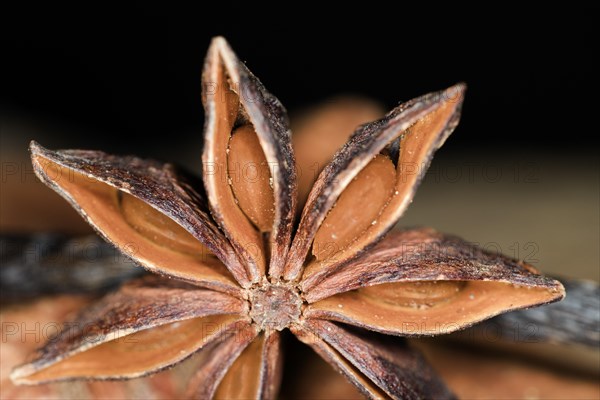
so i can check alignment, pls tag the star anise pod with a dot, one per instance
(244, 267)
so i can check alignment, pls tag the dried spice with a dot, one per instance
(50, 313)
(245, 266)
(564, 335)
(52, 263)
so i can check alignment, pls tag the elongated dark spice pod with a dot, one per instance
(575, 320)
(52, 263)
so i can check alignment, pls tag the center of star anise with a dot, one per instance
(274, 306)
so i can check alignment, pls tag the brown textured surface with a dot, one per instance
(365, 143)
(427, 255)
(475, 302)
(493, 284)
(366, 361)
(565, 335)
(397, 370)
(270, 122)
(581, 307)
(221, 109)
(320, 131)
(135, 355)
(157, 227)
(342, 366)
(219, 358)
(255, 374)
(42, 318)
(157, 184)
(146, 303)
(272, 362)
(308, 376)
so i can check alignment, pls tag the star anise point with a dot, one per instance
(244, 269)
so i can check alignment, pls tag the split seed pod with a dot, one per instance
(244, 270)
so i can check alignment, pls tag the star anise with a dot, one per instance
(245, 266)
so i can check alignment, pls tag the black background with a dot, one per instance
(112, 78)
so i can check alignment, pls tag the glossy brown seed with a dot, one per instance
(419, 295)
(157, 227)
(242, 380)
(357, 208)
(188, 318)
(221, 117)
(218, 360)
(156, 348)
(256, 372)
(224, 76)
(321, 131)
(92, 182)
(422, 125)
(476, 302)
(250, 178)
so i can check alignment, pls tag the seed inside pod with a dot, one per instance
(320, 132)
(250, 177)
(158, 227)
(357, 208)
(421, 295)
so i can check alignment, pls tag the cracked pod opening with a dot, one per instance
(148, 233)
(126, 354)
(428, 307)
(249, 170)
